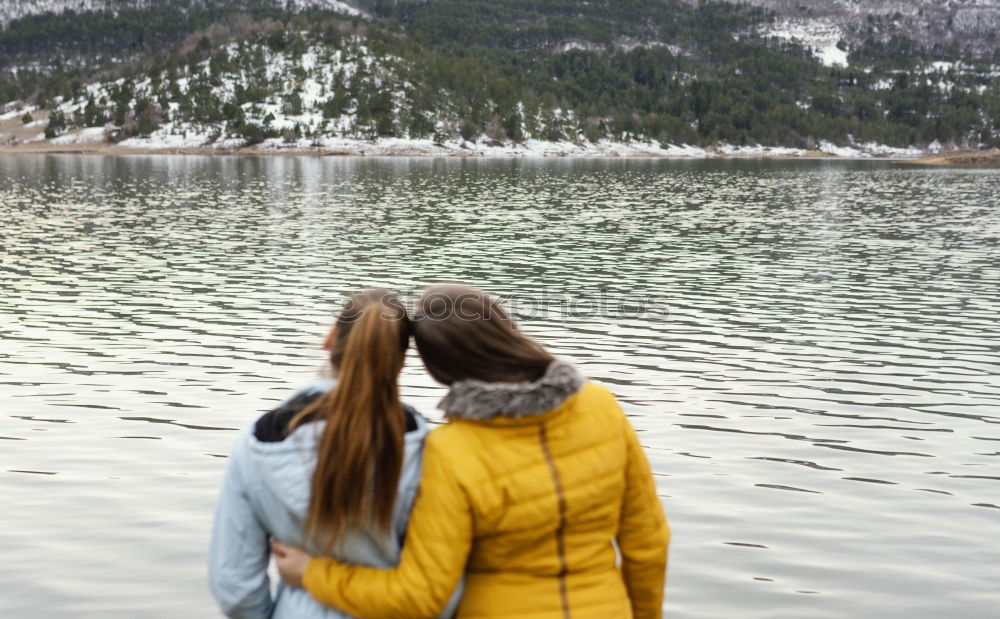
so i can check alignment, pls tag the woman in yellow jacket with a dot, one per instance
(528, 489)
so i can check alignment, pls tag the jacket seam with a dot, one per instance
(560, 531)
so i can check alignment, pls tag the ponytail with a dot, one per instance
(360, 454)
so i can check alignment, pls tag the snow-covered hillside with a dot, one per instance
(300, 99)
(825, 38)
(249, 93)
(220, 79)
(975, 23)
(14, 9)
(308, 109)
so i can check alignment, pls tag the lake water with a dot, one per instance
(810, 350)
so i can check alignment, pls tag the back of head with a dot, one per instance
(463, 333)
(360, 454)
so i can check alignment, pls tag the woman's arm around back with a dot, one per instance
(433, 559)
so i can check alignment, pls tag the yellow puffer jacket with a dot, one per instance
(529, 505)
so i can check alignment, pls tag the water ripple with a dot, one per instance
(746, 313)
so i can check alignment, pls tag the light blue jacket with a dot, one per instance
(266, 494)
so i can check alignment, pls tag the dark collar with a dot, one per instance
(273, 427)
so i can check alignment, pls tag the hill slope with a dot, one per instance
(656, 72)
(967, 23)
(16, 9)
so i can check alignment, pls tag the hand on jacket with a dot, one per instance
(292, 563)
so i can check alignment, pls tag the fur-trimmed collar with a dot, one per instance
(478, 400)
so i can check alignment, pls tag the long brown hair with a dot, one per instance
(465, 333)
(360, 454)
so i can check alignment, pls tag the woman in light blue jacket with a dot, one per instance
(335, 467)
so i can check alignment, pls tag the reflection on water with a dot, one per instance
(815, 375)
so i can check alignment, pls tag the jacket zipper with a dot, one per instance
(560, 540)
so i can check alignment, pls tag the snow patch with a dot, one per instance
(580, 45)
(17, 111)
(869, 150)
(760, 151)
(15, 9)
(822, 37)
(164, 139)
(330, 5)
(89, 135)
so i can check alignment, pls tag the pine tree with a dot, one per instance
(57, 124)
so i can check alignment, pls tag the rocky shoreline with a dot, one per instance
(26, 140)
(407, 148)
(965, 158)
(376, 150)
